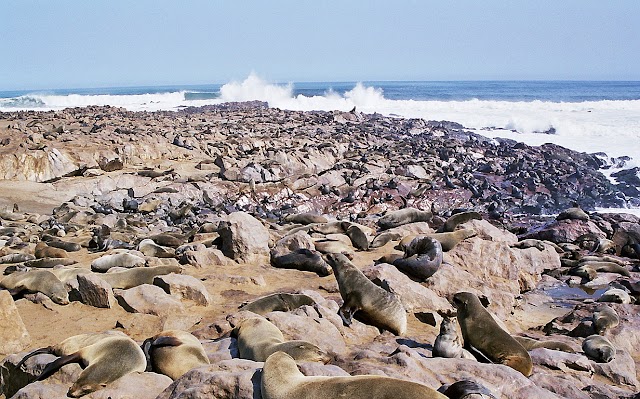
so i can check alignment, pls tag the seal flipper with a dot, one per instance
(463, 388)
(346, 314)
(31, 354)
(146, 348)
(58, 363)
(479, 355)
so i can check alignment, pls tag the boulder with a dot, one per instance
(244, 239)
(184, 287)
(149, 299)
(94, 291)
(14, 336)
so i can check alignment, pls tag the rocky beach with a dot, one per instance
(159, 224)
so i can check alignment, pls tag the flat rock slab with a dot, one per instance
(184, 287)
(149, 299)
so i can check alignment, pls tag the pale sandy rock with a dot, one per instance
(184, 287)
(291, 243)
(487, 231)
(221, 349)
(245, 239)
(561, 360)
(147, 298)
(14, 336)
(94, 291)
(204, 258)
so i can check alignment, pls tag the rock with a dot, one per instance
(14, 336)
(148, 299)
(489, 232)
(205, 258)
(94, 291)
(566, 230)
(14, 380)
(184, 287)
(244, 239)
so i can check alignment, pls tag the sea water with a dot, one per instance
(584, 116)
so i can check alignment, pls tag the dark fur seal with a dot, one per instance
(305, 218)
(422, 258)
(403, 216)
(281, 379)
(281, 302)
(604, 319)
(16, 258)
(48, 263)
(598, 348)
(458, 219)
(379, 307)
(303, 259)
(467, 388)
(482, 334)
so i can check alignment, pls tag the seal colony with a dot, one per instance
(215, 241)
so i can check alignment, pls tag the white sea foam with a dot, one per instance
(612, 127)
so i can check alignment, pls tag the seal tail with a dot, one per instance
(58, 363)
(40, 351)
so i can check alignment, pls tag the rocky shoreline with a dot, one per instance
(221, 205)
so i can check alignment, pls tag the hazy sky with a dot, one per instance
(94, 43)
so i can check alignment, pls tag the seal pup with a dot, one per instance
(447, 343)
(379, 307)
(281, 379)
(598, 348)
(37, 281)
(459, 218)
(173, 353)
(280, 302)
(44, 251)
(467, 389)
(258, 338)
(303, 259)
(403, 216)
(604, 319)
(104, 362)
(482, 334)
(422, 258)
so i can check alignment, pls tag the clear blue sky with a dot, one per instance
(94, 43)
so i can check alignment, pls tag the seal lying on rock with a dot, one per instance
(379, 307)
(482, 334)
(173, 353)
(44, 251)
(302, 259)
(105, 361)
(605, 319)
(457, 219)
(304, 218)
(106, 262)
(598, 348)
(422, 258)
(258, 338)
(37, 281)
(281, 302)
(467, 389)
(281, 379)
(403, 216)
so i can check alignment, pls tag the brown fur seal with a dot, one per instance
(258, 338)
(467, 389)
(281, 302)
(173, 240)
(303, 259)
(173, 353)
(403, 216)
(334, 246)
(358, 238)
(105, 361)
(123, 259)
(482, 334)
(598, 348)
(48, 263)
(605, 319)
(447, 240)
(137, 276)
(16, 258)
(447, 343)
(616, 295)
(149, 248)
(422, 258)
(609, 267)
(37, 281)
(378, 307)
(531, 344)
(304, 218)
(57, 243)
(458, 219)
(281, 379)
(575, 213)
(45, 251)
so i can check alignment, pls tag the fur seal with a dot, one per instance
(403, 216)
(172, 240)
(482, 334)
(16, 258)
(358, 238)
(574, 213)
(106, 262)
(37, 281)
(379, 307)
(304, 218)
(467, 389)
(616, 295)
(48, 263)
(137, 276)
(258, 338)
(531, 344)
(334, 246)
(447, 343)
(598, 348)
(150, 248)
(105, 361)
(447, 240)
(45, 251)
(459, 218)
(281, 379)
(173, 353)
(303, 259)
(603, 266)
(281, 302)
(605, 318)
(57, 243)
(422, 258)
(529, 243)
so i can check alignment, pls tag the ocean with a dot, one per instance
(586, 116)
